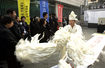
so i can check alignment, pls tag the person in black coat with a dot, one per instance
(25, 28)
(45, 33)
(53, 23)
(45, 16)
(15, 30)
(34, 26)
(8, 42)
(18, 25)
(48, 27)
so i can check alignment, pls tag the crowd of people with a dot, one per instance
(43, 27)
(12, 29)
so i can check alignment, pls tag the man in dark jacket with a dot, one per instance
(43, 31)
(45, 16)
(15, 29)
(49, 32)
(8, 42)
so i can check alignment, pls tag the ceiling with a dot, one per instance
(73, 2)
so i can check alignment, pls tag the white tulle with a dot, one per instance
(71, 39)
(34, 52)
(61, 37)
(79, 52)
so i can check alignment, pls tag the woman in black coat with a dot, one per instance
(44, 31)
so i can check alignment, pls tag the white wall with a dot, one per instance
(92, 16)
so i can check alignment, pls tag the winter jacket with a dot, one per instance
(8, 42)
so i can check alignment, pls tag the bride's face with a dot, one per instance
(72, 22)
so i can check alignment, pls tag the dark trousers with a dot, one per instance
(12, 62)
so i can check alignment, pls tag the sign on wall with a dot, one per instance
(44, 8)
(60, 12)
(24, 9)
